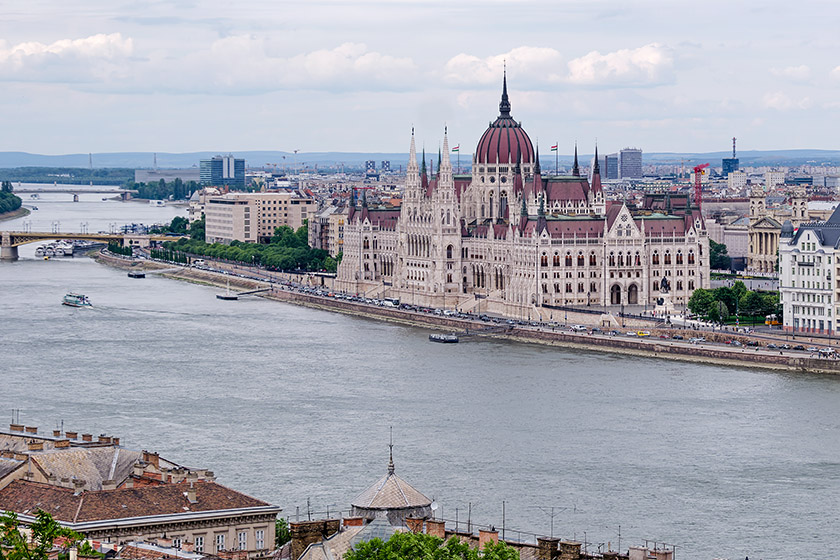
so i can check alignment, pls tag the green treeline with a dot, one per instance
(177, 189)
(118, 249)
(722, 304)
(67, 175)
(8, 201)
(288, 250)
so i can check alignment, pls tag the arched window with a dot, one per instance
(656, 285)
(449, 251)
(691, 257)
(556, 259)
(638, 259)
(568, 260)
(366, 244)
(667, 257)
(592, 260)
(544, 260)
(679, 257)
(655, 257)
(620, 259)
(580, 261)
(612, 260)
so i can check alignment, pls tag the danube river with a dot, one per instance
(291, 404)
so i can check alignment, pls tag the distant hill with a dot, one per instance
(145, 160)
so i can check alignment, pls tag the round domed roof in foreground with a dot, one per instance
(787, 229)
(504, 141)
(393, 498)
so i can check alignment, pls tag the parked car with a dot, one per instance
(578, 328)
(799, 347)
(772, 346)
(677, 337)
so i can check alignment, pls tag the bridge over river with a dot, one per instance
(11, 240)
(125, 194)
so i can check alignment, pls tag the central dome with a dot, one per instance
(505, 140)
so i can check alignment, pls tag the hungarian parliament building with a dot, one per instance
(508, 239)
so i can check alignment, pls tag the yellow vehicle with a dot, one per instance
(643, 333)
(772, 320)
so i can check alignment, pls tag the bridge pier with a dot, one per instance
(75, 197)
(8, 252)
(125, 196)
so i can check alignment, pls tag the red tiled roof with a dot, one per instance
(64, 505)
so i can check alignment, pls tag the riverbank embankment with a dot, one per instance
(19, 213)
(650, 346)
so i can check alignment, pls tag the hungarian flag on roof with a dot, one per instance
(554, 148)
(456, 148)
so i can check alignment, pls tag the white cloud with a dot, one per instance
(536, 65)
(67, 60)
(836, 73)
(783, 102)
(801, 72)
(650, 64)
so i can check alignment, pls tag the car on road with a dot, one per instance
(785, 346)
(799, 347)
(696, 340)
(631, 333)
(578, 328)
(813, 349)
(642, 333)
(677, 337)
(772, 346)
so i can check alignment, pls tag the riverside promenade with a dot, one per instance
(712, 351)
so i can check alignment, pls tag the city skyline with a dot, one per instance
(356, 76)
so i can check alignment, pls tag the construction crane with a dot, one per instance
(698, 184)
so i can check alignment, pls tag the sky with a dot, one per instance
(356, 76)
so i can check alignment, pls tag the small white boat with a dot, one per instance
(40, 251)
(443, 338)
(76, 300)
(49, 251)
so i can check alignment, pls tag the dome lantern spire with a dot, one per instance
(391, 452)
(504, 105)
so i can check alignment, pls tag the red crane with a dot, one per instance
(698, 184)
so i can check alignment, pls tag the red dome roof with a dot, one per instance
(505, 140)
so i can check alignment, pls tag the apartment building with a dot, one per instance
(253, 217)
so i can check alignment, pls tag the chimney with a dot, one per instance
(109, 484)
(72, 435)
(56, 433)
(74, 553)
(547, 548)
(87, 437)
(209, 476)
(32, 429)
(164, 542)
(21, 457)
(104, 439)
(485, 537)
(569, 550)
(436, 528)
(115, 441)
(15, 427)
(191, 497)
(414, 525)
(152, 458)
(304, 533)
(62, 444)
(35, 445)
(187, 546)
(78, 485)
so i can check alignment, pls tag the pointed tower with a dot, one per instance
(412, 176)
(575, 167)
(597, 202)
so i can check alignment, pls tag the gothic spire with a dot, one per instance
(504, 106)
(423, 168)
(596, 170)
(412, 154)
(576, 168)
(524, 211)
(537, 163)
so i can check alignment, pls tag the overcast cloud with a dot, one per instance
(182, 75)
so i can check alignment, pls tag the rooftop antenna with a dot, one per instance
(155, 156)
(90, 160)
(733, 147)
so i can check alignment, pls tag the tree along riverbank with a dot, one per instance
(649, 346)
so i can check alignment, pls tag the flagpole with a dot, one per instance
(557, 158)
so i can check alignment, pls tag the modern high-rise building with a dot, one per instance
(611, 166)
(221, 171)
(370, 167)
(630, 163)
(386, 166)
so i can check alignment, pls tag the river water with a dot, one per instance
(291, 404)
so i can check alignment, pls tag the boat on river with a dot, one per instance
(443, 338)
(76, 300)
(136, 274)
(228, 295)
